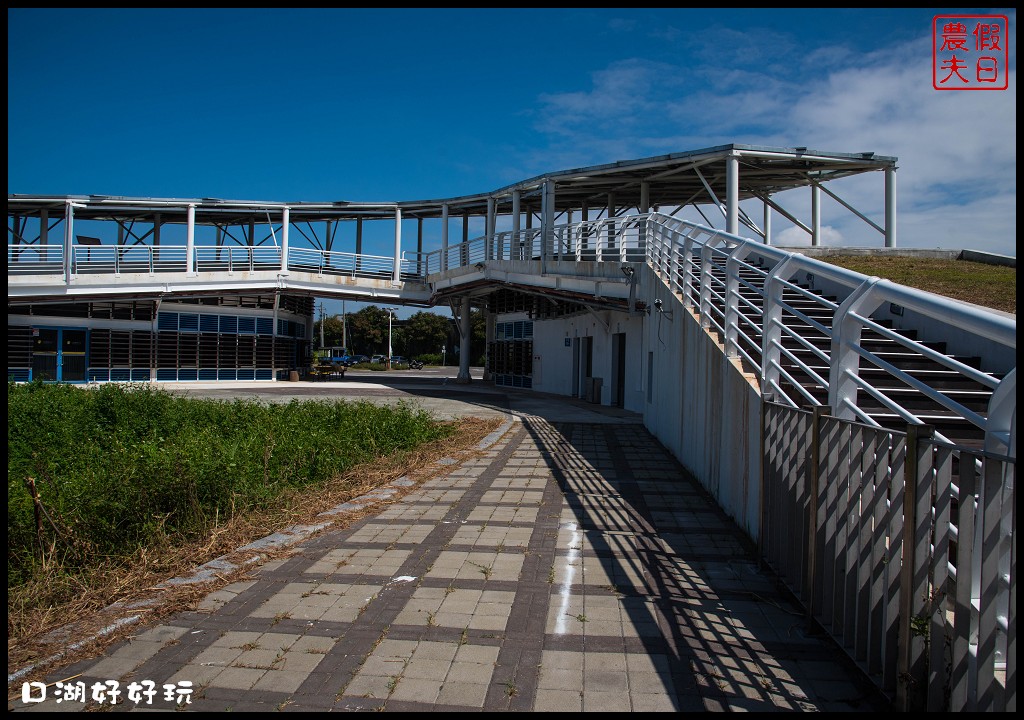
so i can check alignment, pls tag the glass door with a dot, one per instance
(59, 354)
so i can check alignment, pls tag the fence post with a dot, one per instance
(762, 512)
(914, 595)
(812, 469)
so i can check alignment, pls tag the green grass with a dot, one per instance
(992, 286)
(118, 468)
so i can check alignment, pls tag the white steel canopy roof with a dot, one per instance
(695, 177)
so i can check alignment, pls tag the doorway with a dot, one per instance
(619, 369)
(59, 354)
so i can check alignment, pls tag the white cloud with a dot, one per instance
(957, 150)
(795, 237)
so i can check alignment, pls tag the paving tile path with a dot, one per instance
(573, 567)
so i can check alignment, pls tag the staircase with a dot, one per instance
(805, 362)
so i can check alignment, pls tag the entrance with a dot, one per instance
(59, 354)
(619, 369)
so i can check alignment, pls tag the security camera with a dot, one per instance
(658, 303)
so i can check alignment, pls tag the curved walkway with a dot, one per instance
(573, 566)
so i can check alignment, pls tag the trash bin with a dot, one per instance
(293, 376)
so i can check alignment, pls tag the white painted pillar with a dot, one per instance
(611, 226)
(444, 237)
(465, 335)
(419, 247)
(69, 221)
(584, 229)
(732, 194)
(890, 207)
(397, 278)
(190, 241)
(488, 340)
(815, 216)
(489, 231)
(645, 207)
(515, 250)
(285, 222)
(767, 223)
(547, 218)
(568, 246)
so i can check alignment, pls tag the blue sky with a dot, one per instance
(405, 104)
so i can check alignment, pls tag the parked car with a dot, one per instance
(397, 360)
(377, 359)
(356, 359)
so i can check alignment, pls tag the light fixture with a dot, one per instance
(627, 270)
(480, 266)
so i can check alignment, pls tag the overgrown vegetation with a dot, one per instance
(992, 286)
(100, 475)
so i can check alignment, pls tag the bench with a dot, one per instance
(327, 371)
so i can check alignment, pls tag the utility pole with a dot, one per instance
(321, 325)
(390, 311)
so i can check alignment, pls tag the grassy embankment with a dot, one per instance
(992, 286)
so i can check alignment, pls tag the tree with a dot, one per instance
(332, 331)
(368, 330)
(426, 333)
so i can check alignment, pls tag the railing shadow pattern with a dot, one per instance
(646, 562)
(902, 548)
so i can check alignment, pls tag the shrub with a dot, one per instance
(104, 471)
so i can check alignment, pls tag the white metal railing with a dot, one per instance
(915, 583)
(323, 262)
(118, 259)
(24, 259)
(717, 274)
(236, 258)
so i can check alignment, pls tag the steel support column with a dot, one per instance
(547, 218)
(611, 227)
(584, 230)
(644, 208)
(488, 341)
(489, 230)
(465, 336)
(397, 277)
(815, 216)
(517, 242)
(44, 226)
(767, 223)
(419, 246)
(190, 240)
(890, 207)
(285, 222)
(732, 194)
(69, 221)
(444, 238)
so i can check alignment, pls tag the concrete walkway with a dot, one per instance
(573, 567)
